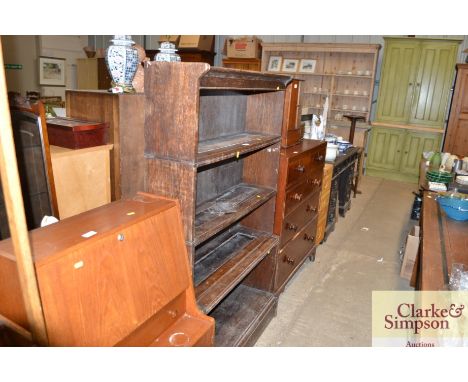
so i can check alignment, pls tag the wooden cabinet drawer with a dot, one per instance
(292, 255)
(295, 195)
(300, 167)
(298, 218)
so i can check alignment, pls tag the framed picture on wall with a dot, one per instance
(51, 71)
(307, 66)
(274, 64)
(290, 65)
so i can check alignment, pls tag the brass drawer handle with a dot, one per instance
(308, 237)
(291, 227)
(309, 208)
(319, 158)
(287, 259)
(296, 196)
(314, 181)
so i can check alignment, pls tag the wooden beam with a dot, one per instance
(16, 218)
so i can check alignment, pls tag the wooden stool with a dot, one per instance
(353, 119)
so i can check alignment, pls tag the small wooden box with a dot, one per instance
(76, 134)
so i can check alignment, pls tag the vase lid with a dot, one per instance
(122, 38)
(168, 45)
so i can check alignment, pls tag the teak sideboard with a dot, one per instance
(116, 275)
(212, 140)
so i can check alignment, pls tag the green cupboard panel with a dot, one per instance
(415, 144)
(396, 86)
(433, 82)
(385, 148)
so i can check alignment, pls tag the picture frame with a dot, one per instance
(274, 63)
(51, 71)
(307, 65)
(290, 65)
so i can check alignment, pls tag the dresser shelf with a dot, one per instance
(333, 62)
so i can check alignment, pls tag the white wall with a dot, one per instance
(21, 50)
(68, 47)
(25, 50)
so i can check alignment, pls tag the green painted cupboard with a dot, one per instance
(412, 103)
(396, 153)
(415, 83)
(387, 145)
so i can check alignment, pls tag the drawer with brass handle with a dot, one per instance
(294, 253)
(298, 218)
(300, 167)
(295, 195)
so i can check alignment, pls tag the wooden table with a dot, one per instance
(444, 242)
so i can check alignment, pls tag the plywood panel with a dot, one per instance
(82, 178)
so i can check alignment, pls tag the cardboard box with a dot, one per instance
(196, 42)
(411, 253)
(171, 38)
(246, 47)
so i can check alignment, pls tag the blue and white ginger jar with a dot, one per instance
(167, 52)
(122, 62)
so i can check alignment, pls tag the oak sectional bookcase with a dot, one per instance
(212, 138)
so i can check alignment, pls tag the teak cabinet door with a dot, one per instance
(415, 144)
(385, 149)
(397, 82)
(434, 78)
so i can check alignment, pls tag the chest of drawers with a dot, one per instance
(300, 177)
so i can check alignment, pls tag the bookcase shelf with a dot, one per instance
(214, 215)
(226, 261)
(218, 149)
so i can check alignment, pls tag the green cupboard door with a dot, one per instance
(433, 82)
(415, 144)
(397, 81)
(385, 148)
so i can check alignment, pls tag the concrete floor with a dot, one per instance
(328, 302)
